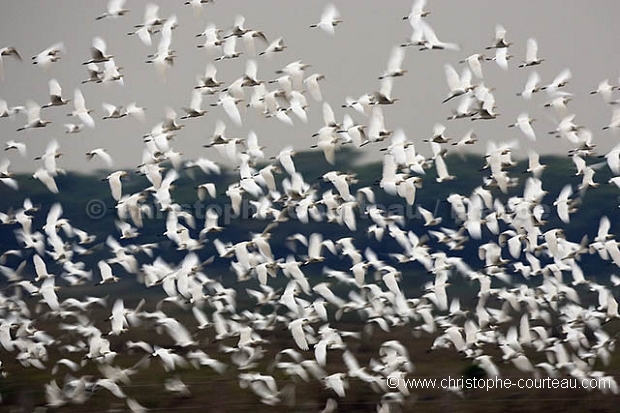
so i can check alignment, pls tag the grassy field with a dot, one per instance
(23, 388)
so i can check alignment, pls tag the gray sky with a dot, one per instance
(571, 34)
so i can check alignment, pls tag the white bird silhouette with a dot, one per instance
(55, 95)
(229, 103)
(501, 57)
(474, 63)
(19, 146)
(416, 13)
(102, 154)
(394, 64)
(531, 86)
(563, 203)
(458, 85)
(80, 109)
(115, 9)
(614, 124)
(98, 52)
(114, 180)
(46, 179)
(330, 18)
(194, 110)
(605, 89)
(229, 49)
(430, 40)
(297, 330)
(500, 38)
(312, 84)
(48, 293)
(524, 122)
(559, 81)
(106, 273)
(531, 54)
(34, 117)
(49, 55)
(442, 170)
(275, 46)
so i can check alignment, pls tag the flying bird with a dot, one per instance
(81, 111)
(7, 51)
(115, 9)
(524, 123)
(56, 98)
(330, 18)
(33, 110)
(500, 38)
(102, 154)
(531, 54)
(49, 55)
(98, 52)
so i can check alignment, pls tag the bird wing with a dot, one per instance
(231, 109)
(105, 157)
(562, 203)
(614, 252)
(299, 336)
(313, 87)
(99, 47)
(328, 114)
(78, 101)
(613, 156)
(48, 293)
(115, 5)
(251, 69)
(442, 169)
(500, 33)
(53, 216)
(48, 180)
(151, 13)
(105, 269)
(33, 111)
(396, 59)
(603, 228)
(210, 71)
(115, 187)
(531, 50)
(329, 13)
(532, 81)
(501, 57)
(456, 338)
(229, 46)
(314, 245)
(196, 101)
(135, 111)
(475, 66)
(109, 108)
(386, 87)
(390, 281)
(55, 89)
(452, 77)
(465, 79)
(39, 266)
(525, 126)
(562, 77)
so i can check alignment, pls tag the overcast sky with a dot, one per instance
(578, 35)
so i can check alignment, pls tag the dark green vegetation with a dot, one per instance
(78, 190)
(214, 392)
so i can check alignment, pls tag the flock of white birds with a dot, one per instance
(529, 275)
